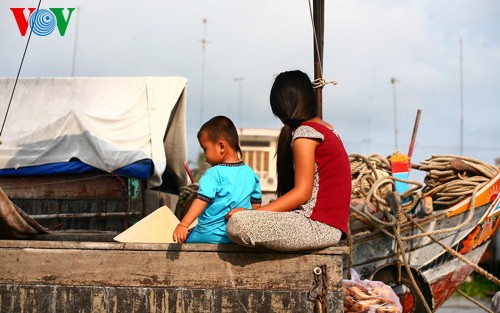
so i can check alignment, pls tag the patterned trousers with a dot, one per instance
(283, 231)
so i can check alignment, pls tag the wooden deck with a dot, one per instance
(71, 276)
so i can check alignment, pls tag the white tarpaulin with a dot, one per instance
(106, 122)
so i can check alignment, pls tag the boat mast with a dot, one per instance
(318, 35)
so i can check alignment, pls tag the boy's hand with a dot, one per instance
(180, 233)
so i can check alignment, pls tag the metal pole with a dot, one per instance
(239, 80)
(73, 64)
(368, 125)
(461, 102)
(203, 49)
(318, 13)
(393, 82)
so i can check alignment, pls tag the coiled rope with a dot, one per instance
(449, 180)
(452, 178)
(371, 178)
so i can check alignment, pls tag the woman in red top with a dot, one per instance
(314, 178)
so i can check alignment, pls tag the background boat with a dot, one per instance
(427, 252)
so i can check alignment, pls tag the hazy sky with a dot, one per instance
(366, 44)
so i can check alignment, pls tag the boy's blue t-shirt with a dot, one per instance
(224, 187)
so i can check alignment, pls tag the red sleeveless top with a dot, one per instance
(331, 197)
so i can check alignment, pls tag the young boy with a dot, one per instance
(228, 184)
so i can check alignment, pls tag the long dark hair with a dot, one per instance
(293, 101)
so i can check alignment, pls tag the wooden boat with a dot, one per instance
(95, 206)
(441, 249)
(70, 271)
(94, 271)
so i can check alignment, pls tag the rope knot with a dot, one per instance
(321, 82)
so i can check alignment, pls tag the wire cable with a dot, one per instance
(19, 70)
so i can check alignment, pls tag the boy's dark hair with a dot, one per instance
(293, 101)
(221, 127)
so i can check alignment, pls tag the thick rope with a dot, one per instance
(365, 173)
(321, 82)
(373, 182)
(459, 256)
(365, 170)
(472, 206)
(402, 254)
(479, 304)
(450, 179)
(381, 224)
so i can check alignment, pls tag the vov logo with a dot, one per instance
(42, 21)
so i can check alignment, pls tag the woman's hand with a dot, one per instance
(230, 213)
(180, 233)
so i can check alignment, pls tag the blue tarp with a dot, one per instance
(142, 169)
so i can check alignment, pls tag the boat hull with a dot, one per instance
(117, 277)
(441, 262)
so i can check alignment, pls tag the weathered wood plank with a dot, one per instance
(189, 269)
(117, 277)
